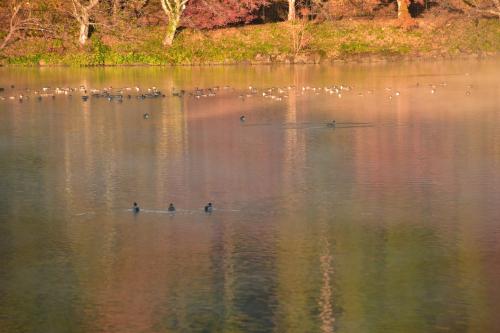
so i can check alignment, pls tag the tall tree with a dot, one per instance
(81, 12)
(173, 9)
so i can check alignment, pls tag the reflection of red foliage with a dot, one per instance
(206, 14)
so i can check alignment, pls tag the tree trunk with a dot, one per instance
(84, 28)
(171, 28)
(117, 5)
(169, 39)
(291, 10)
(82, 14)
(173, 9)
(403, 12)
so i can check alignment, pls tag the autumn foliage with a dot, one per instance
(80, 18)
(203, 14)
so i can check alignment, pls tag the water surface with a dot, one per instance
(387, 225)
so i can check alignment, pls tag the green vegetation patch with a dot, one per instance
(331, 40)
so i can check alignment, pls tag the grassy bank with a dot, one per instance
(268, 43)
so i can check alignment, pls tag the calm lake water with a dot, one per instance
(387, 223)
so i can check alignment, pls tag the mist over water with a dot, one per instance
(386, 223)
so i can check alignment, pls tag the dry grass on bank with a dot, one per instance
(266, 43)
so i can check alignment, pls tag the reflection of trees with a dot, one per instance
(409, 250)
(171, 146)
(39, 289)
(295, 267)
(381, 238)
(326, 294)
(224, 275)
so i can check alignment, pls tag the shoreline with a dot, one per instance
(303, 60)
(270, 44)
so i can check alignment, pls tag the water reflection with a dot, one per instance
(389, 228)
(325, 301)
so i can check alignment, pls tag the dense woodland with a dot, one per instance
(77, 21)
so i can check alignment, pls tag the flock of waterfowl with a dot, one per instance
(113, 94)
(126, 93)
(83, 92)
(120, 94)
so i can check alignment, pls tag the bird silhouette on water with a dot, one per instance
(209, 208)
(136, 208)
(332, 124)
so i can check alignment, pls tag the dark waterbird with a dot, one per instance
(208, 208)
(331, 124)
(178, 93)
(135, 208)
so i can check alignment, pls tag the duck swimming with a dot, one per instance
(136, 208)
(171, 207)
(146, 116)
(242, 118)
(209, 208)
(331, 124)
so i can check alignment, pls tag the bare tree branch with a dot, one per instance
(21, 20)
(485, 7)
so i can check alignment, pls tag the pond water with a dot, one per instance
(388, 222)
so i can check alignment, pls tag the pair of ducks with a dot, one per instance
(171, 208)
